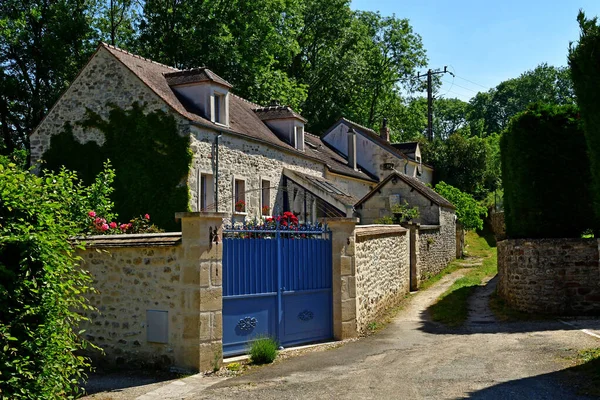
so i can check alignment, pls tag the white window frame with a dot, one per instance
(221, 96)
(299, 136)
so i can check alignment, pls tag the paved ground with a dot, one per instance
(414, 358)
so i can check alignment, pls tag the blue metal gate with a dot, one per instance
(276, 282)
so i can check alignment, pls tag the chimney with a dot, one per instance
(352, 148)
(384, 132)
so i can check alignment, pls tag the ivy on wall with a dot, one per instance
(151, 160)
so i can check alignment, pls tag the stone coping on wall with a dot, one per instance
(364, 232)
(196, 214)
(428, 227)
(132, 240)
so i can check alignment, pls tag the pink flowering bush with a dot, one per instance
(100, 226)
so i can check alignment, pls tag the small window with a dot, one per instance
(299, 139)
(206, 192)
(219, 108)
(265, 205)
(239, 193)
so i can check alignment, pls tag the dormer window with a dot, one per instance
(299, 136)
(220, 110)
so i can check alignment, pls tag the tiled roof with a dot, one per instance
(416, 184)
(328, 187)
(243, 119)
(277, 112)
(336, 162)
(407, 147)
(194, 75)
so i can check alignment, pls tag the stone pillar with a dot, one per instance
(414, 256)
(344, 276)
(202, 276)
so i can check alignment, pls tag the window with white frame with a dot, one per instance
(299, 138)
(206, 192)
(219, 108)
(265, 202)
(239, 195)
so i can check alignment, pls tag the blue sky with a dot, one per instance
(487, 42)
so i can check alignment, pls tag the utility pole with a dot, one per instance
(429, 75)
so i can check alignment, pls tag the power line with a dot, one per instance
(429, 75)
(474, 83)
(462, 87)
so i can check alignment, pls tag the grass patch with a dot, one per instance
(451, 307)
(588, 365)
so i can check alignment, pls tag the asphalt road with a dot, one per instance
(414, 358)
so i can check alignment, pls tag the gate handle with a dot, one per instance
(282, 289)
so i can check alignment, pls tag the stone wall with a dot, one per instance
(382, 262)
(553, 276)
(179, 275)
(104, 80)
(436, 245)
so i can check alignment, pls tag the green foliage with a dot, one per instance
(468, 211)
(490, 112)
(42, 46)
(403, 212)
(546, 174)
(41, 288)
(150, 158)
(263, 350)
(585, 70)
(386, 220)
(461, 161)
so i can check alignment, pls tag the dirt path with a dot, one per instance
(479, 303)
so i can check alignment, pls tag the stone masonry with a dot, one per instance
(551, 276)
(183, 279)
(382, 270)
(105, 80)
(436, 245)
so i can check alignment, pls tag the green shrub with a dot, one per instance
(585, 72)
(468, 211)
(263, 350)
(546, 174)
(41, 287)
(150, 157)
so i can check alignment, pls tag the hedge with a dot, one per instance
(546, 174)
(585, 71)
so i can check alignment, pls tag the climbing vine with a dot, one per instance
(150, 158)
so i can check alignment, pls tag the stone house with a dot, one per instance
(243, 152)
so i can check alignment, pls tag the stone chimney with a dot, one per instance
(352, 148)
(384, 132)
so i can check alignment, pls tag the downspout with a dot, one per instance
(217, 172)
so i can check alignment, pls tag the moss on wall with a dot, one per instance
(151, 160)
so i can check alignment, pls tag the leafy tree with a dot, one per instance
(490, 112)
(43, 44)
(469, 212)
(115, 22)
(41, 287)
(583, 60)
(546, 174)
(461, 161)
